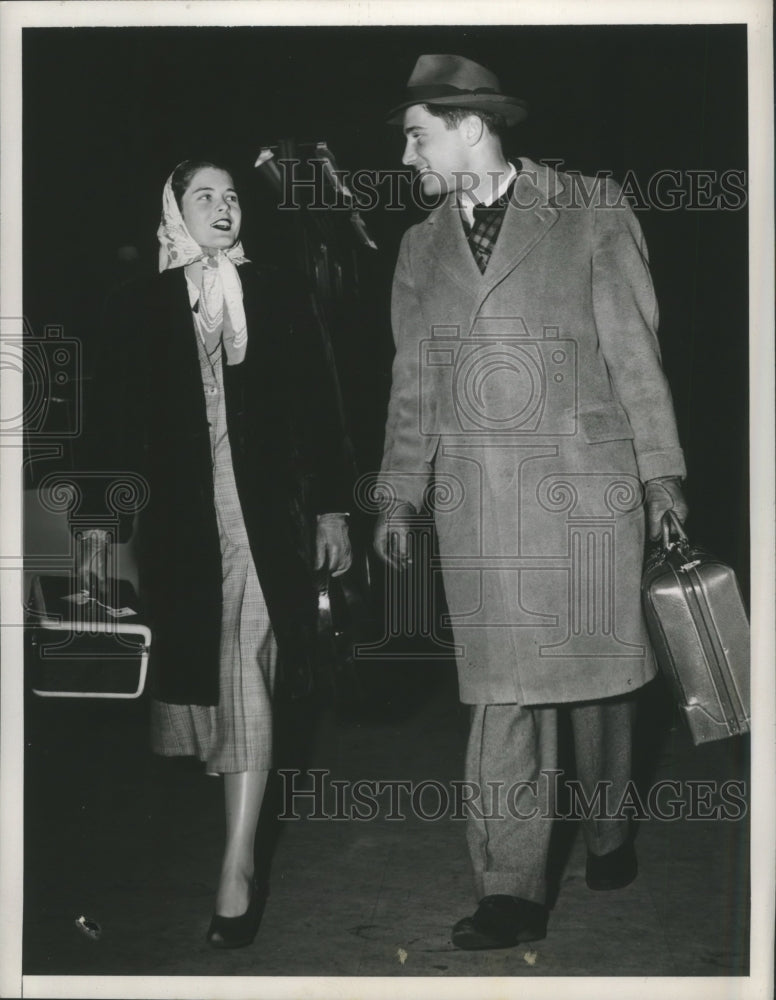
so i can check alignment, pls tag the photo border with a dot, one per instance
(757, 15)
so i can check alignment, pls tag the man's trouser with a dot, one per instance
(511, 747)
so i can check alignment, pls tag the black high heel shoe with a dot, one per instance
(237, 932)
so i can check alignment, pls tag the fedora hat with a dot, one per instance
(456, 82)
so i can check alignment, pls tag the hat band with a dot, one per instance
(444, 90)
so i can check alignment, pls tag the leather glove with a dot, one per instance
(392, 533)
(662, 494)
(332, 544)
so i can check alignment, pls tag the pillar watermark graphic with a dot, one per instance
(526, 540)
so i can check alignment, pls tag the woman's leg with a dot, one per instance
(243, 795)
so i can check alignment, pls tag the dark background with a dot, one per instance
(109, 112)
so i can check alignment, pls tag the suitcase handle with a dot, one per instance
(671, 523)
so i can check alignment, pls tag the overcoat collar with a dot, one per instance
(529, 217)
(181, 342)
(177, 357)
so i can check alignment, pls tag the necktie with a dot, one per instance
(486, 227)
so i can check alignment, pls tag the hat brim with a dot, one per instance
(511, 109)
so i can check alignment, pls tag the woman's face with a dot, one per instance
(211, 210)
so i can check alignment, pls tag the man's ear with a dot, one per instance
(472, 129)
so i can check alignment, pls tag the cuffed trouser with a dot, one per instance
(512, 757)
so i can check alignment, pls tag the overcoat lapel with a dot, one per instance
(181, 370)
(452, 248)
(527, 220)
(178, 400)
(177, 340)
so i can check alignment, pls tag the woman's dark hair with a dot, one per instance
(183, 173)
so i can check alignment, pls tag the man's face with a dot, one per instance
(440, 155)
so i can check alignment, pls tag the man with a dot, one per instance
(527, 387)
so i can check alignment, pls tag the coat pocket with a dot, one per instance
(605, 423)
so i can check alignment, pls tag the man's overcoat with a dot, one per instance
(527, 409)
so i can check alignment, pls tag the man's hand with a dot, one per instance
(332, 544)
(91, 564)
(660, 495)
(392, 534)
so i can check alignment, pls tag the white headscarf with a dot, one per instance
(214, 274)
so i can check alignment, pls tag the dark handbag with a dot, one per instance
(700, 633)
(344, 619)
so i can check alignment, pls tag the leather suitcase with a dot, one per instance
(700, 633)
(81, 648)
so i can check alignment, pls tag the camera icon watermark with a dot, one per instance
(499, 380)
(51, 368)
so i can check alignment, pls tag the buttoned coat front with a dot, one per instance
(528, 407)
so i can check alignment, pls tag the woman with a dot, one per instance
(210, 387)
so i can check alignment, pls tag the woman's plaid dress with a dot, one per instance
(236, 734)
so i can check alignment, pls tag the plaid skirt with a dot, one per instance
(236, 734)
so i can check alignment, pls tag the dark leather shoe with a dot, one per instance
(237, 932)
(501, 922)
(614, 870)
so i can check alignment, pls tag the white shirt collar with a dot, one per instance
(466, 205)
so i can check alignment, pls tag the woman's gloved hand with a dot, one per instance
(332, 544)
